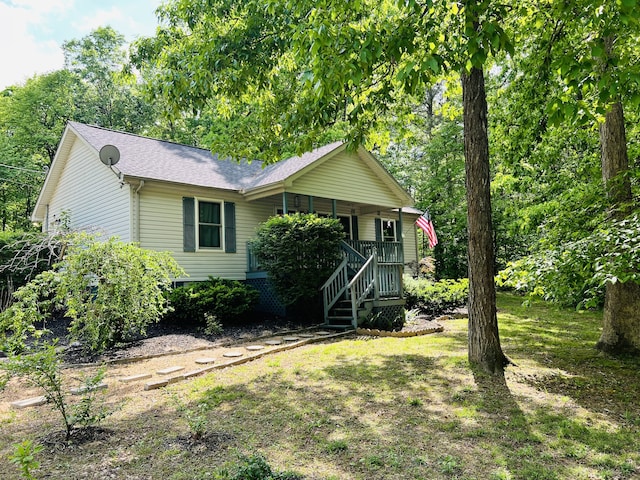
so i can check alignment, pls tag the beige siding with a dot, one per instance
(91, 194)
(345, 177)
(161, 229)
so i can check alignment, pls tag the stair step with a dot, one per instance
(338, 327)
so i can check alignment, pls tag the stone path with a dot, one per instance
(160, 371)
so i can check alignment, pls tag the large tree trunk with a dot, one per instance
(621, 319)
(484, 340)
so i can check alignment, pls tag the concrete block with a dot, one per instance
(169, 370)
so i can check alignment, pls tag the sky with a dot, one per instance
(32, 31)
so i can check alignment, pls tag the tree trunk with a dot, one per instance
(484, 340)
(621, 317)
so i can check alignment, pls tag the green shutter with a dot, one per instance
(378, 230)
(229, 227)
(188, 224)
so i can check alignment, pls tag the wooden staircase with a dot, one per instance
(360, 284)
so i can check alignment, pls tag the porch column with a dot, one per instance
(310, 204)
(401, 238)
(285, 207)
(334, 208)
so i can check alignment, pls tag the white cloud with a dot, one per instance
(100, 18)
(32, 31)
(22, 55)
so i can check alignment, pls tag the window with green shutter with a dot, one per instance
(209, 225)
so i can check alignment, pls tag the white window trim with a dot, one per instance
(221, 248)
(383, 221)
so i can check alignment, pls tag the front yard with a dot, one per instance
(373, 408)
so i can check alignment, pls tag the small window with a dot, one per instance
(209, 225)
(389, 231)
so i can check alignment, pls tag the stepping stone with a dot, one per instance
(323, 332)
(273, 342)
(233, 354)
(155, 385)
(167, 371)
(29, 402)
(134, 378)
(192, 373)
(306, 335)
(84, 389)
(205, 360)
(290, 339)
(254, 348)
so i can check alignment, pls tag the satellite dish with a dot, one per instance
(109, 155)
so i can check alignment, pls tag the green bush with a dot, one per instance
(110, 290)
(255, 467)
(217, 299)
(434, 298)
(299, 252)
(377, 321)
(41, 366)
(576, 273)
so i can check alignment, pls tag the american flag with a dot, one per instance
(425, 223)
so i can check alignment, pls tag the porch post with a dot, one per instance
(310, 204)
(400, 236)
(285, 208)
(334, 208)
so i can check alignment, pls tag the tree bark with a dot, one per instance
(621, 316)
(484, 340)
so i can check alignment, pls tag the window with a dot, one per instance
(389, 231)
(345, 221)
(346, 224)
(209, 225)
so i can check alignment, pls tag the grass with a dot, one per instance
(383, 408)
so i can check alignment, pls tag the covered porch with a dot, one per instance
(379, 243)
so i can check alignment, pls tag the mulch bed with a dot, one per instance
(170, 338)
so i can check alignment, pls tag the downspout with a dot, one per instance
(136, 194)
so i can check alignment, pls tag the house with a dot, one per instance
(205, 209)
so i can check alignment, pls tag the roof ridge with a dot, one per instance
(138, 135)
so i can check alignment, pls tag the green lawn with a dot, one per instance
(383, 408)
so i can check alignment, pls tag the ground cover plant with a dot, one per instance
(376, 408)
(216, 300)
(435, 297)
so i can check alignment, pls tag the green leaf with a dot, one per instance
(597, 51)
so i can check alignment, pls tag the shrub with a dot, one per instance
(378, 321)
(299, 252)
(110, 290)
(216, 300)
(41, 367)
(24, 456)
(255, 467)
(576, 273)
(435, 298)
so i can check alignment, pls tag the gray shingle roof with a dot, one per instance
(154, 159)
